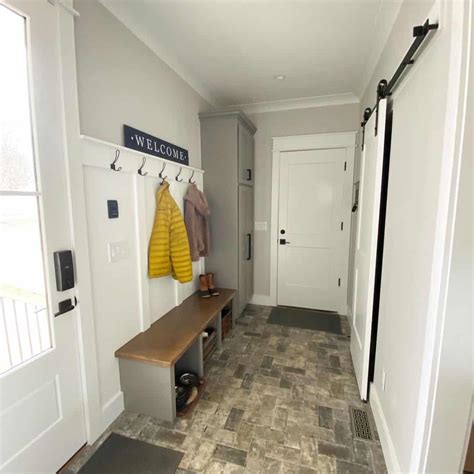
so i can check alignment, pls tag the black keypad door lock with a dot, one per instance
(64, 269)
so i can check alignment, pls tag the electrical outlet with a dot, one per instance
(384, 379)
(118, 251)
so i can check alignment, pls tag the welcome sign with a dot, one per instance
(141, 141)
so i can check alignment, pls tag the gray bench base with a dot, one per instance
(150, 389)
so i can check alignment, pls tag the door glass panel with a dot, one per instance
(24, 319)
(17, 172)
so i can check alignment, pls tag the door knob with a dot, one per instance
(284, 242)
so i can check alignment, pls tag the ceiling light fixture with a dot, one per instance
(279, 77)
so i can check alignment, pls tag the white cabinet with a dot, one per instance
(227, 145)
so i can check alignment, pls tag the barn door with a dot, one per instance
(370, 191)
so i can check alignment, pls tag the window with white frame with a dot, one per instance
(24, 321)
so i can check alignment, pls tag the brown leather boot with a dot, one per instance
(210, 284)
(203, 288)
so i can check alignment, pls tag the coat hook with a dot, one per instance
(161, 173)
(177, 176)
(191, 179)
(112, 165)
(139, 171)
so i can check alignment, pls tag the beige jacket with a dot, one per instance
(196, 219)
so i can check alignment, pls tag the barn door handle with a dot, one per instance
(249, 254)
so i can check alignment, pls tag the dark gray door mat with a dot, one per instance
(306, 319)
(121, 455)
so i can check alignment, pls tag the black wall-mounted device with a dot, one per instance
(112, 209)
(65, 306)
(64, 268)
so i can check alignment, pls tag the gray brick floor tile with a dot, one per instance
(277, 400)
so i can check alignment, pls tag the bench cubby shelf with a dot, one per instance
(173, 344)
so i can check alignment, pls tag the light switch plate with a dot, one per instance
(261, 226)
(118, 251)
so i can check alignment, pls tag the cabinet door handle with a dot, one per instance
(249, 242)
(249, 174)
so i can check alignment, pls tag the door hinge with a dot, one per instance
(338, 282)
(345, 165)
(342, 225)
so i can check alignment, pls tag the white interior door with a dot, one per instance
(366, 246)
(41, 404)
(312, 233)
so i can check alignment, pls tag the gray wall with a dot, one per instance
(412, 13)
(121, 81)
(341, 118)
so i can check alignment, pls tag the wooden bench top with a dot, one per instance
(168, 338)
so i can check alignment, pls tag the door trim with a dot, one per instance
(298, 143)
(94, 416)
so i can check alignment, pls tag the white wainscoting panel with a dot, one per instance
(125, 300)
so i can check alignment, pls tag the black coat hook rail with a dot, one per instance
(141, 170)
(384, 88)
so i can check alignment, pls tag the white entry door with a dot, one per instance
(41, 404)
(366, 246)
(313, 228)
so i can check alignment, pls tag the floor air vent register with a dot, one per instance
(361, 425)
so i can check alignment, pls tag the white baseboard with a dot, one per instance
(262, 300)
(112, 409)
(388, 448)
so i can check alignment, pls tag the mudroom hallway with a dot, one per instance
(236, 236)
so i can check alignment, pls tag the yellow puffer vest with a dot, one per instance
(169, 246)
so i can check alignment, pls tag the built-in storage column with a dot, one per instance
(227, 142)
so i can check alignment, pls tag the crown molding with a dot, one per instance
(301, 103)
(230, 113)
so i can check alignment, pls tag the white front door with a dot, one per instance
(366, 246)
(41, 404)
(313, 228)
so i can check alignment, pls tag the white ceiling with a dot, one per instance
(230, 50)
